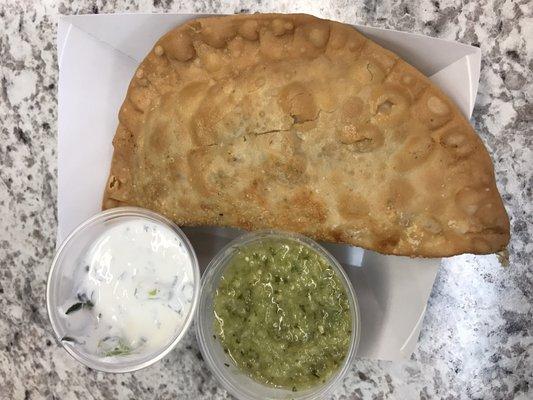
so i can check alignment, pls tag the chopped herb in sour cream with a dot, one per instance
(134, 290)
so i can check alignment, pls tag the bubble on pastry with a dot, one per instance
(203, 132)
(118, 187)
(437, 106)
(469, 199)
(212, 61)
(411, 82)
(352, 205)
(159, 51)
(389, 105)
(363, 137)
(399, 193)
(286, 170)
(110, 203)
(366, 72)
(260, 82)
(280, 27)
(312, 209)
(218, 36)
(141, 97)
(432, 111)
(143, 82)
(457, 142)
(272, 46)
(113, 183)
(161, 139)
(492, 217)
(237, 47)
(298, 102)
(249, 30)
(356, 42)
(414, 152)
(353, 110)
(319, 35)
(430, 224)
(384, 59)
(337, 36)
(130, 116)
(178, 46)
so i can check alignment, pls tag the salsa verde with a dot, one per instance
(282, 314)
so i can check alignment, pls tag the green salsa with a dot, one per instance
(282, 314)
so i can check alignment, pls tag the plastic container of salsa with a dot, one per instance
(233, 377)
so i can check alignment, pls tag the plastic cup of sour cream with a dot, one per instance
(122, 290)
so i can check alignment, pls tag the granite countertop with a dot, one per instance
(476, 341)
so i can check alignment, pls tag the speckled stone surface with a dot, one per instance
(476, 341)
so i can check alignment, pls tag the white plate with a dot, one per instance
(97, 57)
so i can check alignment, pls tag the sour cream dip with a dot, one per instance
(133, 290)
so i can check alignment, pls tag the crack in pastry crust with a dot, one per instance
(297, 123)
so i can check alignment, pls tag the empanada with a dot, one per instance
(301, 124)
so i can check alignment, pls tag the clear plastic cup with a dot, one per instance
(228, 374)
(62, 281)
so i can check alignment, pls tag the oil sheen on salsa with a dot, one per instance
(282, 314)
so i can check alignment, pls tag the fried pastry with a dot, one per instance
(302, 124)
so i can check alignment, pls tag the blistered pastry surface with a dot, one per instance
(302, 124)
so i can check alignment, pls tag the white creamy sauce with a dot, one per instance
(136, 284)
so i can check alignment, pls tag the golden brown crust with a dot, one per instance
(297, 123)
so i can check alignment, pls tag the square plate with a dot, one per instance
(98, 55)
